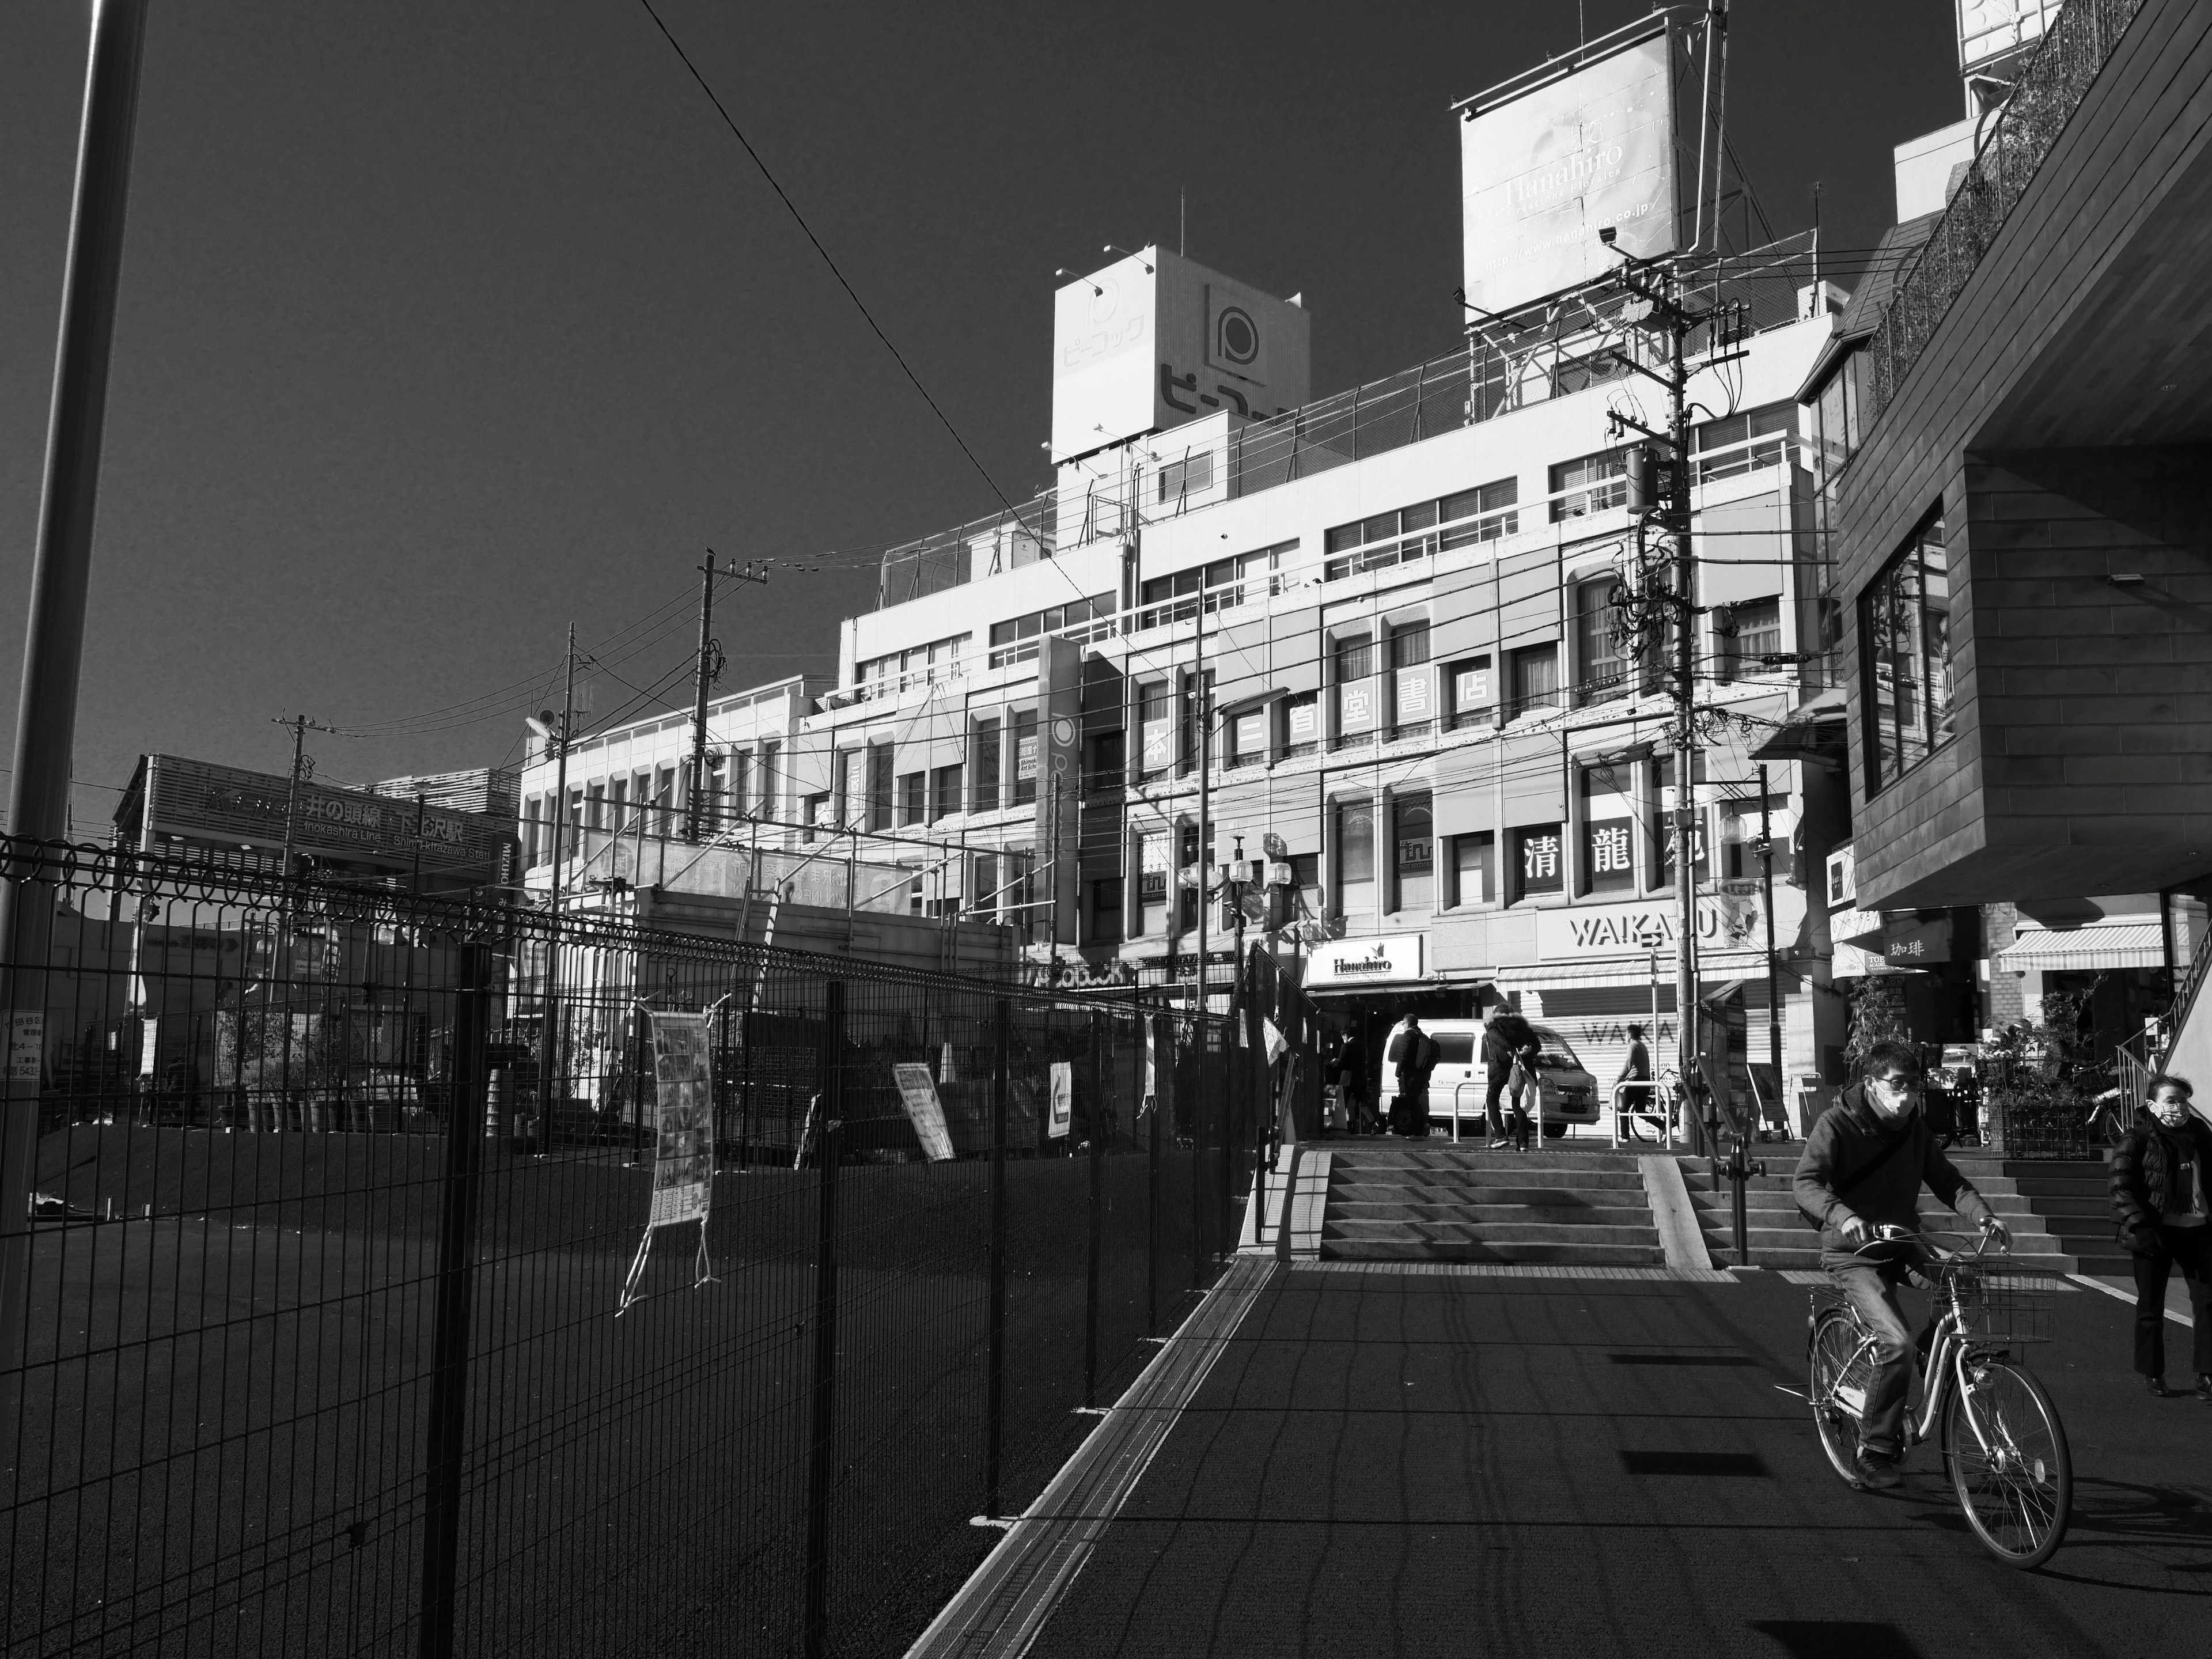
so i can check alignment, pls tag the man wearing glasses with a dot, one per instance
(1863, 1167)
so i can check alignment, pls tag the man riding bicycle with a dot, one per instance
(1863, 1167)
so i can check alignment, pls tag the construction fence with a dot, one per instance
(396, 1275)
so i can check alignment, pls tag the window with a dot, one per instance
(1301, 725)
(1905, 625)
(1589, 485)
(740, 797)
(1152, 882)
(1738, 443)
(1351, 674)
(1025, 757)
(1155, 729)
(576, 809)
(1609, 855)
(1305, 876)
(1355, 860)
(817, 813)
(1471, 698)
(1571, 374)
(1221, 585)
(879, 787)
(1604, 668)
(888, 675)
(1413, 839)
(1248, 737)
(1662, 827)
(986, 765)
(1539, 866)
(984, 899)
(1482, 515)
(1106, 910)
(1412, 681)
(771, 779)
(914, 805)
(1739, 834)
(1081, 620)
(1534, 669)
(1746, 634)
(534, 842)
(1192, 476)
(595, 807)
(618, 803)
(1102, 764)
(944, 790)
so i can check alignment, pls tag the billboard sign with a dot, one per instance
(1543, 170)
(200, 800)
(1393, 959)
(1154, 340)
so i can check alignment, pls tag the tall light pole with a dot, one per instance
(53, 650)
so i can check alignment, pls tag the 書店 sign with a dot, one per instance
(1395, 959)
(202, 801)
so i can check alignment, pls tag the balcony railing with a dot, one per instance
(2050, 87)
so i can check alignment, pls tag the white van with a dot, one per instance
(1567, 1092)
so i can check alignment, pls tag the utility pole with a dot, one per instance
(710, 670)
(302, 767)
(1766, 904)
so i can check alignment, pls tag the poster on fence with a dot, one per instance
(1063, 1098)
(682, 1139)
(918, 1094)
(683, 1124)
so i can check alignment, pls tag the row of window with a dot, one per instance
(1081, 620)
(924, 665)
(741, 783)
(1905, 645)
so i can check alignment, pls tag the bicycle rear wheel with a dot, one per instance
(2015, 1479)
(1829, 1352)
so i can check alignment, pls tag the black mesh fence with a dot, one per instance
(328, 1325)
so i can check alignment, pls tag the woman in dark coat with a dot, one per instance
(2159, 1174)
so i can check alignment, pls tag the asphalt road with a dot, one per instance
(1408, 1463)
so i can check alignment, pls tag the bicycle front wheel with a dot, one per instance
(1834, 1343)
(2014, 1478)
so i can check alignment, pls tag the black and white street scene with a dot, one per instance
(860, 831)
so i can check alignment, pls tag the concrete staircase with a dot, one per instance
(1780, 1238)
(1402, 1201)
(2073, 1199)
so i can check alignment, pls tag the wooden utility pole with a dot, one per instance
(710, 670)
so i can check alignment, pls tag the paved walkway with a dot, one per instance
(1452, 1461)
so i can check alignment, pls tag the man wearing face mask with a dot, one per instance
(2157, 1190)
(1863, 1166)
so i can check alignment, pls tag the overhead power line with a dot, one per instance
(800, 219)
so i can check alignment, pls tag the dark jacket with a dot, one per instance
(2143, 1166)
(1508, 1038)
(1847, 1139)
(1417, 1058)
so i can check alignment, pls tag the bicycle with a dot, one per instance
(2003, 1448)
(1655, 1119)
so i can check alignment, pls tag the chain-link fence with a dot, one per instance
(293, 1367)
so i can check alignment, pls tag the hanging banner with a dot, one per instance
(683, 1137)
(1063, 1099)
(918, 1094)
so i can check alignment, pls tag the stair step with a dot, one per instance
(1489, 1180)
(1575, 1253)
(1564, 1215)
(1492, 1232)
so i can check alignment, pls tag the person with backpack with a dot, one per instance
(1417, 1053)
(2158, 1172)
(1862, 1169)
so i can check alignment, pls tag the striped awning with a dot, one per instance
(2134, 942)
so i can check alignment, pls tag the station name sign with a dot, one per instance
(201, 800)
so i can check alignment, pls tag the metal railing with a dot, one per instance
(331, 1232)
(2052, 83)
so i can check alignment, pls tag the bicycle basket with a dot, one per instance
(2003, 1304)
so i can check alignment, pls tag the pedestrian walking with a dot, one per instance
(1636, 1070)
(1509, 1063)
(2158, 1172)
(1417, 1053)
(1352, 1085)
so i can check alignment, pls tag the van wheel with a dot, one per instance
(1555, 1131)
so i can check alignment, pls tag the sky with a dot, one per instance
(447, 323)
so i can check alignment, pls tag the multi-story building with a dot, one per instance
(1400, 604)
(2012, 427)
